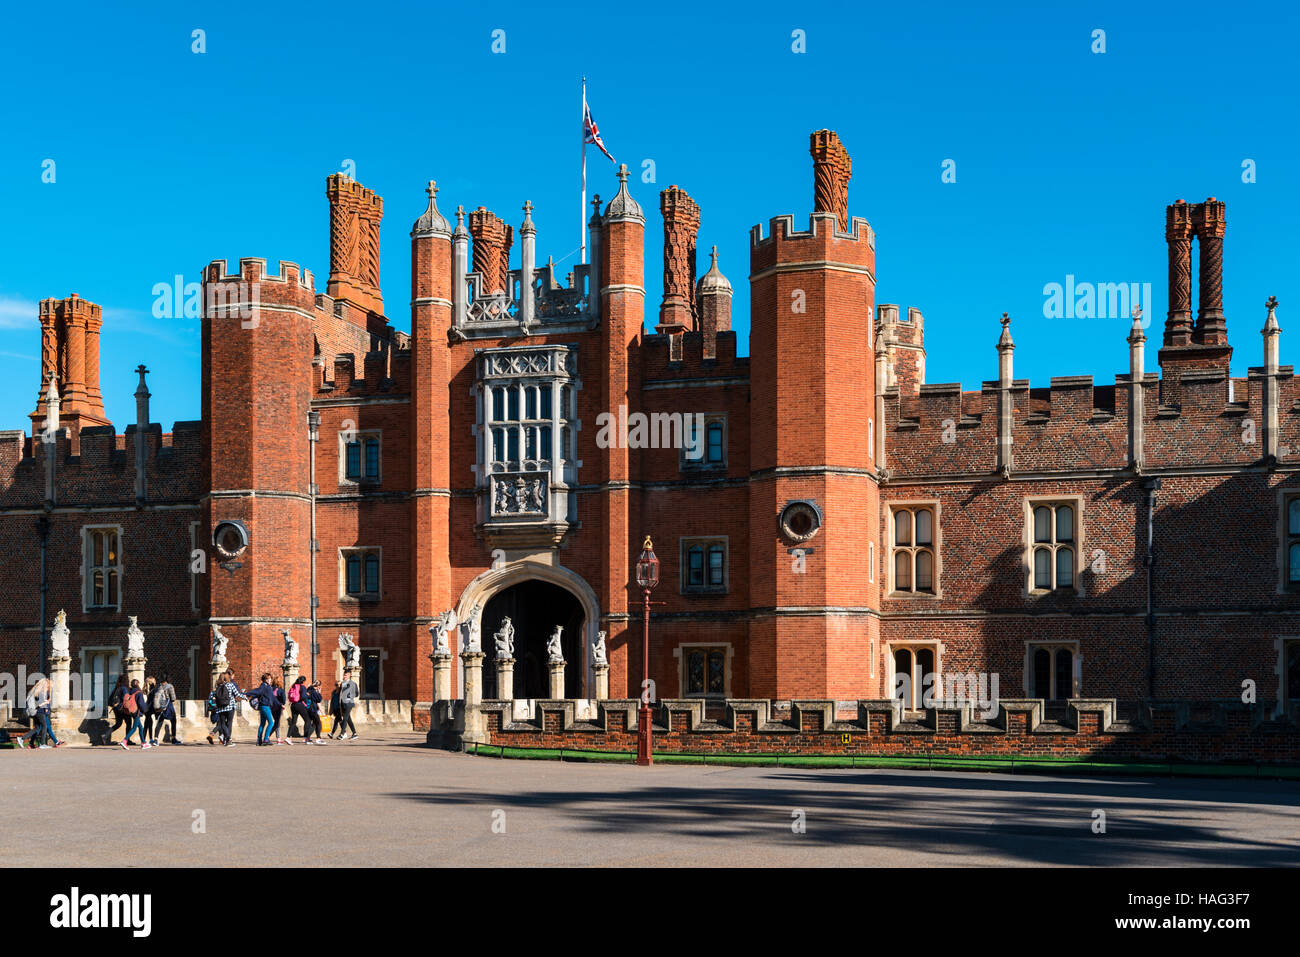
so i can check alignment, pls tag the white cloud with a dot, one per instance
(18, 314)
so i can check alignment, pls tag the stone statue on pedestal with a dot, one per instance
(134, 639)
(351, 653)
(553, 650)
(290, 648)
(218, 644)
(505, 639)
(60, 636)
(440, 629)
(598, 650)
(474, 631)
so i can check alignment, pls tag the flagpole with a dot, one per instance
(582, 209)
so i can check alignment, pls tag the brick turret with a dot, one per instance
(257, 381)
(622, 260)
(813, 396)
(431, 321)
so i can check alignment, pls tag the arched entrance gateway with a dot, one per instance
(536, 597)
(535, 607)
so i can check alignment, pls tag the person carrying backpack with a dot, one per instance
(164, 709)
(226, 696)
(261, 698)
(115, 705)
(347, 699)
(132, 706)
(300, 704)
(146, 710)
(311, 694)
(277, 708)
(38, 709)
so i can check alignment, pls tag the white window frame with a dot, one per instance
(936, 536)
(681, 653)
(685, 544)
(360, 436)
(114, 651)
(918, 692)
(363, 551)
(1284, 498)
(1078, 545)
(685, 464)
(86, 577)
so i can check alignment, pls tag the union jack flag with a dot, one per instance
(590, 131)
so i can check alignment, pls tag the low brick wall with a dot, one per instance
(1187, 731)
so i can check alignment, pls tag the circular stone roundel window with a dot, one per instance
(800, 521)
(230, 538)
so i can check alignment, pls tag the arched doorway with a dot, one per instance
(535, 607)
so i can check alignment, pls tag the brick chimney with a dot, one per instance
(491, 250)
(677, 313)
(355, 215)
(70, 352)
(832, 170)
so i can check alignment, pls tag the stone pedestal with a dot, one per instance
(290, 672)
(60, 693)
(217, 667)
(472, 662)
(441, 677)
(506, 679)
(135, 670)
(556, 669)
(602, 682)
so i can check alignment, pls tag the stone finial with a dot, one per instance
(1271, 327)
(431, 222)
(528, 226)
(460, 223)
(1135, 334)
(1004, 341)
(623, 206)
(714, 281)
(142, 390)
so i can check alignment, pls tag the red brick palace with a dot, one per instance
(825, 518)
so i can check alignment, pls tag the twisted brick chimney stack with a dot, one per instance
(677, 312)
(832, 170)
(70, 352)
(493, 238)
(355, 215)
(1202, 346)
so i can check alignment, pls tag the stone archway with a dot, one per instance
(571, 603)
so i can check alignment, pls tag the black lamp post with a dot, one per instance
(647, 576)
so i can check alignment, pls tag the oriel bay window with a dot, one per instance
(915, 548)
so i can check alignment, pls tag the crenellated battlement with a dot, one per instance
(821, 226)
(254, 269)
(658, 360)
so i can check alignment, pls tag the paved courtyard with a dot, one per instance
(391, 801)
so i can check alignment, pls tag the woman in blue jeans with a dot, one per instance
(40, 697)
(264, 696)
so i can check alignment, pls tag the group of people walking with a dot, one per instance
(147, 710)
(156, 703)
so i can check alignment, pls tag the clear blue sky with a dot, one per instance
(167, 159)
